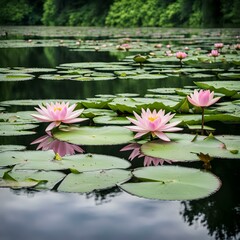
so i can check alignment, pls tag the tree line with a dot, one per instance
(121, 13)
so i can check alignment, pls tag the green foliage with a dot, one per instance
(122, 13)
(14, 12)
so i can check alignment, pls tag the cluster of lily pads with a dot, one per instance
(108, 120)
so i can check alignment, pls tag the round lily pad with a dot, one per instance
(112, 120)
(172, 183)
(94, 180)
(77, 162)
(14, 129)
(4, 148)
(39, 179)
(15, 77)
(107, 135)
(184, 147)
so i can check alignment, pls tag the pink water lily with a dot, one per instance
(203, 98)
(154, 123)
(58, 113)
(181, 55)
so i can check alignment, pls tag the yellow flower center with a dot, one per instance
(151, 118)
(57, 109)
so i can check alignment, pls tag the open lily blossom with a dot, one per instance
(58, 113)
(154, 122)
(202, 98)
(181, 55)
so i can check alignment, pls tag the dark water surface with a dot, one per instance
(108, 214)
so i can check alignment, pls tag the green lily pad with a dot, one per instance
(95, 180)
(37, 179)
(95, 102)
(14, 129)
(4, 148)
(11, 158)
(114, 120)
(34, 70)
(228, 88)
(182, 148)
(108, 135)
(172, 183)
(77, 163)
(229, 76)
(94, 112)
(136, 104)
(21, 117)
(35, 102)
(15, 77)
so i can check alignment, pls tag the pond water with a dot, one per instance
(112, 213)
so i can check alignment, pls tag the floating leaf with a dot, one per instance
(14, 129)
(95, 180)
(10, 158)
(172, 183)
(182, 148)
(228, 88)
(37, 179)
(4, 148)
(114, 120)
(77, 162)
(15, 77)
(108, 135)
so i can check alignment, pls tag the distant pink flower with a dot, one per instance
(237, 46)
(203, 98)
(154, 123)
(47, 142)
(218, 45)
(58, 113)
(181, 55)
(214, 53)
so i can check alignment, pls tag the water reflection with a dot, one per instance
(50, 215)
(47, 142)
(136, 153)
(220, 213)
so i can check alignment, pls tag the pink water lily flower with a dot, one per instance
(181, 55)
(154, 123)
(58, 113)
(203, 98)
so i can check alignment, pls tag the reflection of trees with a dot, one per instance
(103, 196)
(220, 212)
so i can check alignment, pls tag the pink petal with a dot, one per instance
(162, 136)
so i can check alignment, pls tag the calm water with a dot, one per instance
(108, 214)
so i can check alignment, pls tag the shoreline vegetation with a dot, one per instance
(122, 13)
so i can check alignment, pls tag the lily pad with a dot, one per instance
(35, 102)
(15, 77)
(183, 148)
(11, 158)
(107, 135)
(94, 112)
(37, 179)
(95, 180)
(228, 88)
(112, 120)
(13, 129)
(4, 148)
(77, 163)
(172, 183)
